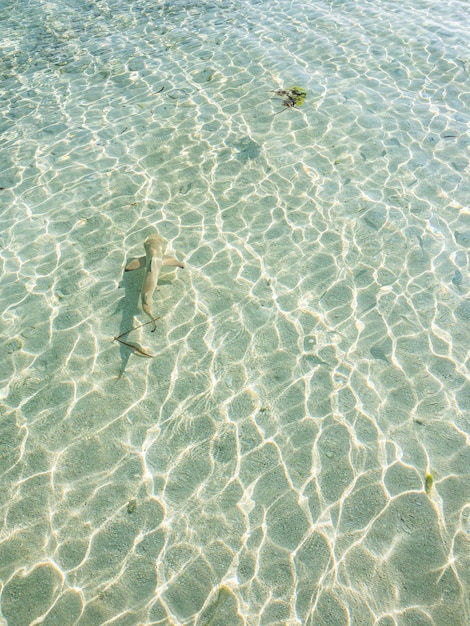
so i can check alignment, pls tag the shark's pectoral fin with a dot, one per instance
(169, 260)
(136, 264)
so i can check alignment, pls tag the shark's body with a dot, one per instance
(153, 261)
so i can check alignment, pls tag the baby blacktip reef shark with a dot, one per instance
(153, 261)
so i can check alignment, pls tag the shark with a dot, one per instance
(153, 261)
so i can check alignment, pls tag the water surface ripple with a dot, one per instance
(297, 451)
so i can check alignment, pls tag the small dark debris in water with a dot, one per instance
(374, 219)
(459, 166)
(14, 345)
(2, 188)
(462, 312)
(185, 188)
(205, 76)
(217, 612)
(463, 239)
(457, 278)
(28, 332)
(247, 149)
(161, 89)
(361, 273)
(378, 353)
(370, 223)
(313, 358)
(131, 506)
(179, 94)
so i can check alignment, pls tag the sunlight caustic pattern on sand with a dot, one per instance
(297, 451)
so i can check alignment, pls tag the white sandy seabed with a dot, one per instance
(297, 451)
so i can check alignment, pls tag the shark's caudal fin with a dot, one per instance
(136, 264)
(136, 349)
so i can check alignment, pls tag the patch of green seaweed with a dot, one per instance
(292, 97)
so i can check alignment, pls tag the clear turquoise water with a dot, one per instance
(311, 361)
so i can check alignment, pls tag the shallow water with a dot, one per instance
(268, 465)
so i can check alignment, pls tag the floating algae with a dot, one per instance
(428, 483)
(293, 97)
(297, 95)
